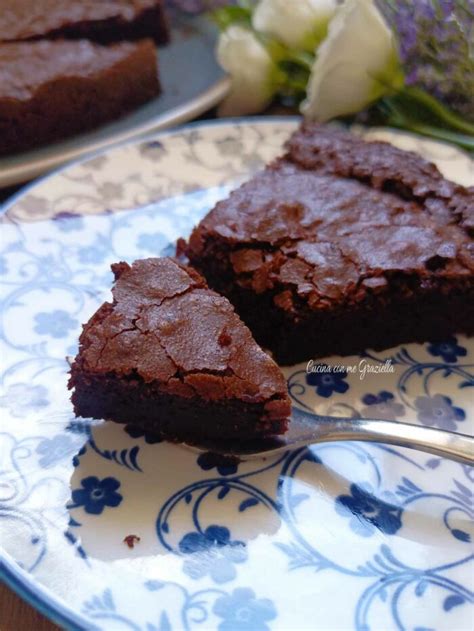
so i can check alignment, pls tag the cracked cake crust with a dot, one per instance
(340, 245)
(172, 356)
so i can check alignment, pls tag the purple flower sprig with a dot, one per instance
(436, 44)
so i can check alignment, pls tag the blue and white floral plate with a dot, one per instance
(338, 536)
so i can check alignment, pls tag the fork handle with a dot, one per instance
(458, 447)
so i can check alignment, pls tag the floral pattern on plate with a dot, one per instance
(222, 545)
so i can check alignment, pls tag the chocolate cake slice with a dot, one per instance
(50, 90)
(172, 357)
(103, 21)
(342, 245)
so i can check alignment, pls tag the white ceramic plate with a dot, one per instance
(338, 536)
(192, 83)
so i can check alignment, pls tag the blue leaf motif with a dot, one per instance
(165, 624)
(188, 497)
(461, 535)
(106, 603)
(165, 527)
(223, 492)
(96, 603)
(410, 485)
(153, 585)
(464, 490)
(251, 501)
(297, 499)
(407, 487)
(312, 457)
(433, 463)
(383, 595)
(81, 552)
(420, 588)
(108, 600)
(453, 601)
(133, 453)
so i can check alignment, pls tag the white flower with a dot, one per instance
(356, 64)
(297, 23)
(251, 70)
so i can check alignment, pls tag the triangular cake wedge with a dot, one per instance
(171, 356)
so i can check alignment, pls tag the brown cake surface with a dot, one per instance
(342, 245)
(171, 356)
(49, 90)
(99, 20)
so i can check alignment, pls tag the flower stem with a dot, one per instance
(395, 115)
(461, 140)
(442, 113)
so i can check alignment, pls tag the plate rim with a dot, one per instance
(39, 597)
(22, 583)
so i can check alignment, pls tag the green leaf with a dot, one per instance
(428, 109)
(397, 112)
(226, 16)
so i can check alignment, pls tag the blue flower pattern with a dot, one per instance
(55, 323)
(382, 405)
(212, 552)
(439, 411)
(449, 350)
(367, 513)
(22, 398)
(53, 450)
(95, 494)
(328, 383)
(242, 611)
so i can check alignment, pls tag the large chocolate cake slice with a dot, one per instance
(342, 245)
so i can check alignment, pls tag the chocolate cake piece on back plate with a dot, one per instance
(52, 89)
(102, 21)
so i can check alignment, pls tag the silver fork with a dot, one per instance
(307, 429)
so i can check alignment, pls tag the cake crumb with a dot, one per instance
(131, 540)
